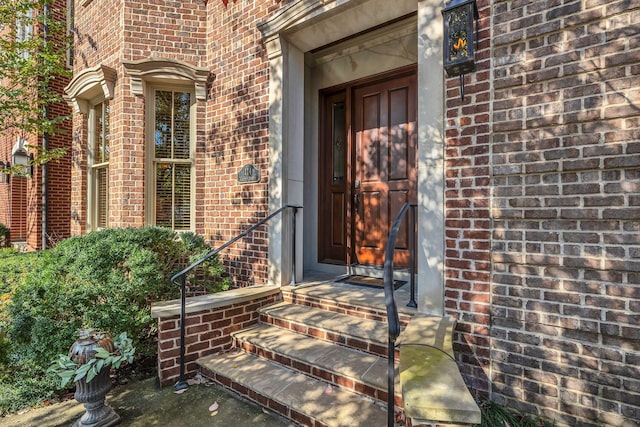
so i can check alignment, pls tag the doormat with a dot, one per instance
(372, 282)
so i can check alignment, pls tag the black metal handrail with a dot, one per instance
(393, 319)
(182, 276)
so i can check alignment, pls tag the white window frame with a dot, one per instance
(92, 200)
(150, 164)
(24, 30)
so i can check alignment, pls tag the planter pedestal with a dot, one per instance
(93, 394)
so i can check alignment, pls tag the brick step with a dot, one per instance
(306, 401)
(357, 301)
(355, 332)
(345, 367)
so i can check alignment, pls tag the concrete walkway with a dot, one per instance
(143, 404)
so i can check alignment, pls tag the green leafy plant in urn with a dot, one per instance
(88, 364)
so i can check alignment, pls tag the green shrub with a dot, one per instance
(4, 235)
(105, 280)
(495, 415)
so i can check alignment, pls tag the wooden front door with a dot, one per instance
(360, 195)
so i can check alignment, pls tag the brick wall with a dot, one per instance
(59, 172)
(237, 134)
(565, 158)
(207, 332)
(232, 126)
(467, 212)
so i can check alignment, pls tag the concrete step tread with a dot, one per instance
(363, 367)
(342, 324)
(313, 398)
(352, 295)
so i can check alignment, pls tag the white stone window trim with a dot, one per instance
(166, 70)
(89, 87)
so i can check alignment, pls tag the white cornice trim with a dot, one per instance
(97, 82)
(166, 69)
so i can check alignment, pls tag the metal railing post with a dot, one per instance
(412, 255)
(182, 384)
(293, 247)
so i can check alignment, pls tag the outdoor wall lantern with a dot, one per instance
(23, 160)
(460, 41)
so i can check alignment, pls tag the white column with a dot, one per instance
(430, 158)
(286, 156)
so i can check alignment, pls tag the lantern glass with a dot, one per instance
(20, 157)
(459, 37)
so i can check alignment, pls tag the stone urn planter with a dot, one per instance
(88, 364)
(93, 393)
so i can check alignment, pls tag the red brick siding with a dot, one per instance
(237, 134)
(231, 126)
(207, 332)
(565, 143)
(467, 212)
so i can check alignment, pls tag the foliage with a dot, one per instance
(4, 232)
(68, 369)
(31, 59)
(14, 266)
(495, 415)
(105, 280)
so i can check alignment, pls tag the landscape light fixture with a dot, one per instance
(460, 38)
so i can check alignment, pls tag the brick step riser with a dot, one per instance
(351, 342)
(342, 308)
(262, 400)
(309, 370)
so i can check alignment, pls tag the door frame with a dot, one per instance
(325, 162)
(290, 35)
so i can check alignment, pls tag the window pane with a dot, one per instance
(182, 199)
(101, 138)
(339, 120)
(106, 134)
(97, 137)
(173, 196)
(182, 104)
(101, 176)
(164, 190)
(163, 129)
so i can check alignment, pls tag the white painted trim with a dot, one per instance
(90, 84)
(166, 70)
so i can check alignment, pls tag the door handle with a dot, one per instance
(356, 201)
